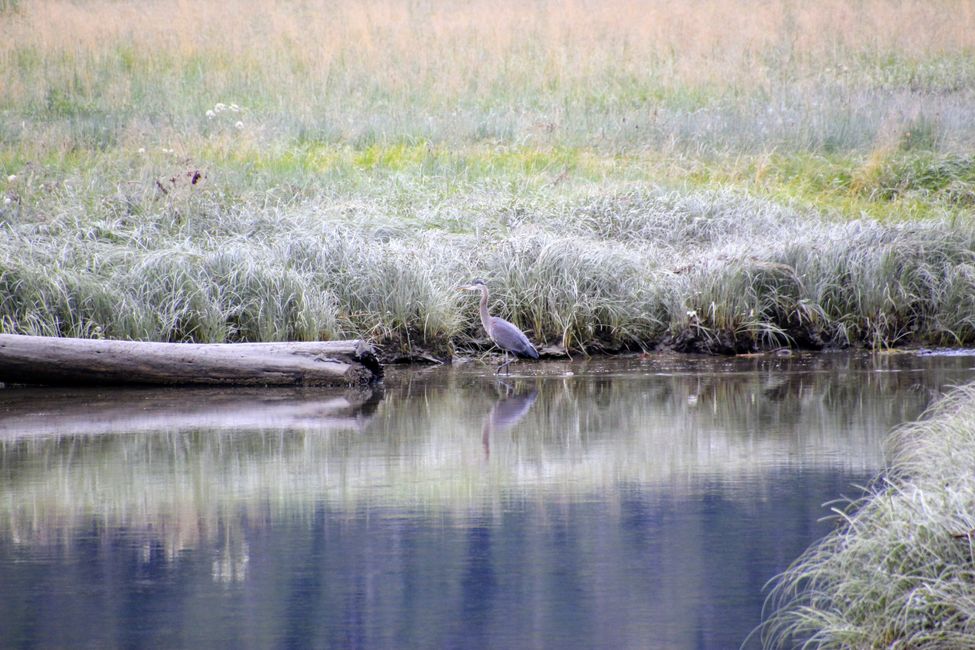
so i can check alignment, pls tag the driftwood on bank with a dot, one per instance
(63, 361)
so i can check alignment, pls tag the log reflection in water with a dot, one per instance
(41, 412)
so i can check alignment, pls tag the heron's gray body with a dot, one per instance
(511, 339)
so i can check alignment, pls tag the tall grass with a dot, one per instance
(614, 75)
(259, 171)
(898, 571)
(619, 267)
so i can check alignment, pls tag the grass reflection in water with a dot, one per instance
(185, 465)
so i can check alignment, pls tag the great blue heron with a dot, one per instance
(504, 334)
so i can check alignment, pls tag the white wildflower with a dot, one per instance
(6, 200)
(211, 115)
(142, 150)
(235, 108)
(11, 178)
(239, 126)
(220, 107)
(692, 314)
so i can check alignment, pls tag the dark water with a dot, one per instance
(624, 504)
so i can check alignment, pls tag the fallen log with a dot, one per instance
(64, 361)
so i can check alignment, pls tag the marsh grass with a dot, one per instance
(622, 267)
(897, 572)
(161, 178)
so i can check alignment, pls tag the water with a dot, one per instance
(634, 503)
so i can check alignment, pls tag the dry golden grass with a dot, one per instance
(713, 75)
(708, 29)
(452, 50)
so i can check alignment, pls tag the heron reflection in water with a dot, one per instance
(505, 335)
(506, 413)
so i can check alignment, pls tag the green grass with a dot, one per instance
(898, 570)
(888, 185)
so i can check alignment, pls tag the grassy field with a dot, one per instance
(720, 175)
(898, 570)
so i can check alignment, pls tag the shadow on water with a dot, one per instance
(639, 502)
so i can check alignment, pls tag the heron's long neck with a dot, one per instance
(485, 316)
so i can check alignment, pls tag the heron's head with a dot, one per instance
(473, 285)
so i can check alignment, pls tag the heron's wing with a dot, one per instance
(510, 338)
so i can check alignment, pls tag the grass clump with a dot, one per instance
(946, 178)
(898, 572)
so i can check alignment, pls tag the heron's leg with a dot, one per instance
(503, 364)
(508, 362)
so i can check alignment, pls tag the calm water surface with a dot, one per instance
(634, 503)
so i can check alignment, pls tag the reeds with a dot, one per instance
(168, 180)
(898, 570)
(620, 268)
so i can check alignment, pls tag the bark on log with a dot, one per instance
(63, 361)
